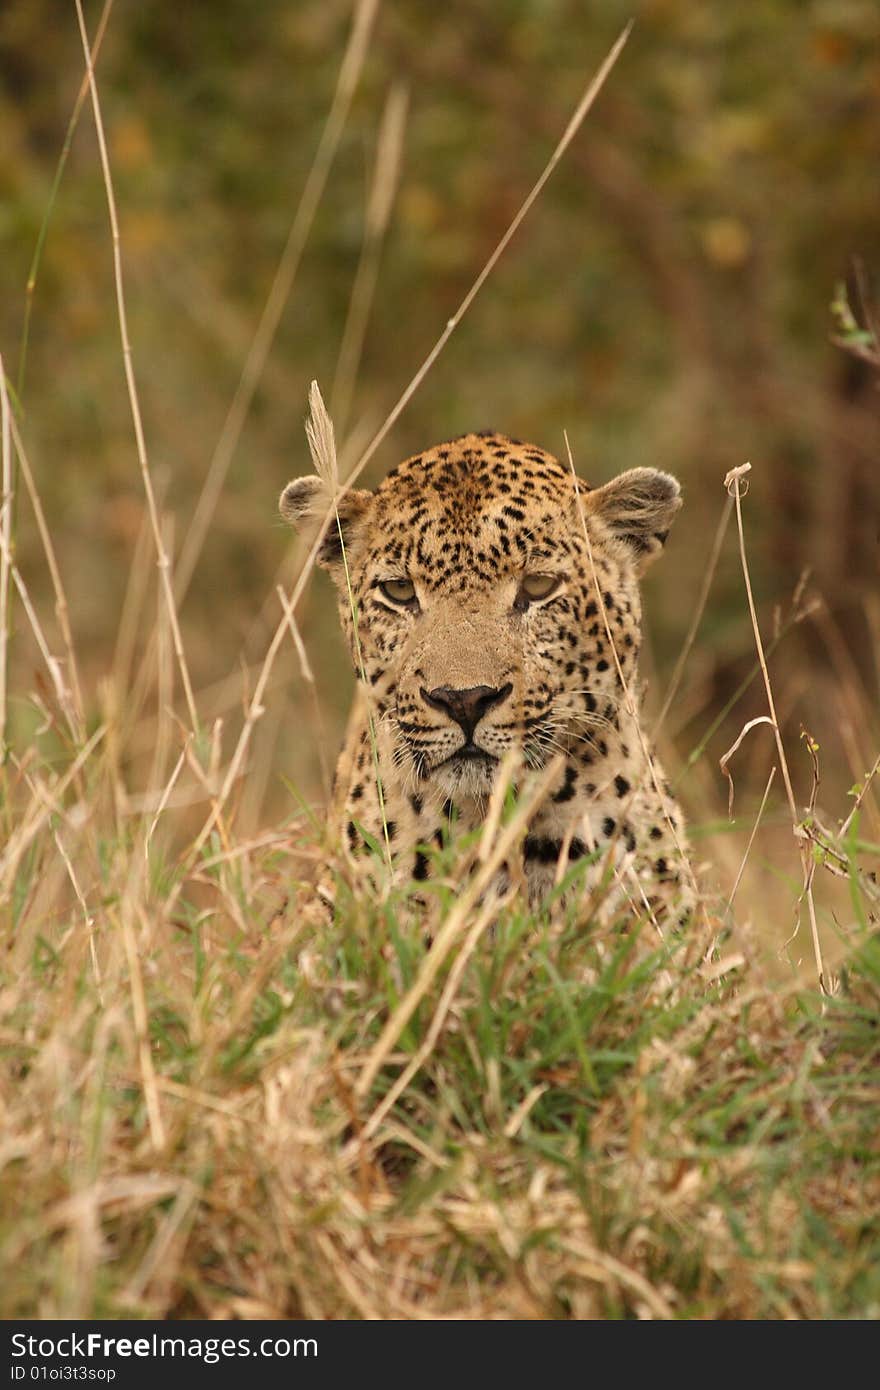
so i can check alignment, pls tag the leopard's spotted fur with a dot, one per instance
(474, 665)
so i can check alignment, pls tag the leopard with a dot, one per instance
(490, 599)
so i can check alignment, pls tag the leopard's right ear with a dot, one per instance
(305, 503)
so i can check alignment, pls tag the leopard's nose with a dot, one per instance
(466, 707)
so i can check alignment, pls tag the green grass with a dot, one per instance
(604, 1127)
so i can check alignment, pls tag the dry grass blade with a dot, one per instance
(521, 1113)
(583, 108)
(40, 795)
(322, 440)
(163, 560)
(62, 610)
(53, 665)
(745, 858)
(637, 1282)
(708, 576)
(453, 927)
(157, 1256)
(56, 184)
(256, 710)
(308, 676)
(485, 916)
(733, 482)
(726, 757)
(279, 293)
(379, 204)
(50, 801)
(322, 446)
(860, 796)
(142, 1028)
(164, 798)
(509, 767)
(140, 573)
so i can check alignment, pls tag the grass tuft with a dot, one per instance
(601, 1128)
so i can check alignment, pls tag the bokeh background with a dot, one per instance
(667, 302)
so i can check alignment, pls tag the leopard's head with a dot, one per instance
(490, 600)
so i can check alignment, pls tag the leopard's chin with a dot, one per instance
(466, 775)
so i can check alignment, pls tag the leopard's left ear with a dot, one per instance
(639, 507)
(305, 504)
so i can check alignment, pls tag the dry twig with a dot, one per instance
(163, 559)
(733, 482)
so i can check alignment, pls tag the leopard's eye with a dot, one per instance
(401, 591)
(534, 587)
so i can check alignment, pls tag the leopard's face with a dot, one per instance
(479, 618)
(496, 605)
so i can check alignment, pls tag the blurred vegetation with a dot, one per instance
(667, 301)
